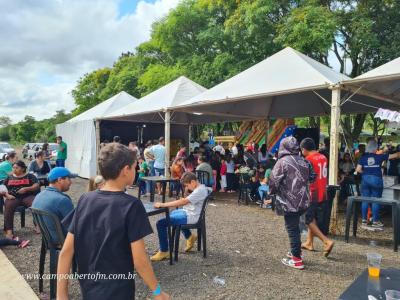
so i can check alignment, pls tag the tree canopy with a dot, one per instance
(210, 41)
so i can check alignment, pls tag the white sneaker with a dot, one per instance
(294, 262)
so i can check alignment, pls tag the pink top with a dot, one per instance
(223, 169)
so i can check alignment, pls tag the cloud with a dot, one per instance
(48, 45)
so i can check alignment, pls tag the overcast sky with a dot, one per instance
(47, 45)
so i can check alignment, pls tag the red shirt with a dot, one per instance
(223, 169)
(320, 166)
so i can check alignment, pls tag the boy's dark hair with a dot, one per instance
(161, 139)
(59, 137)
(308, 144)
(202, 158)
(113, 158)
(187, 177)
(116, 139)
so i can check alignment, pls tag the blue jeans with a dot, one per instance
(60, 163)
(176, 217)
(263, 191)
(371, 186)
(159, 172)
(142, 186)
(292, 224)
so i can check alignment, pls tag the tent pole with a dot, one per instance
(190, 138)
(267, 132)
(334, 152)
(167, 121)
(97, 128)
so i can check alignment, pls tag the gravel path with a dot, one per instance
(245, 245)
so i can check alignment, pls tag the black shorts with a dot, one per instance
(315, 210)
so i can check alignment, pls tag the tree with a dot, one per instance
(157, 76)
(26, 130)
(5, 121)
(309, 29)
(89, 89)
(124, 76)
(377, 125)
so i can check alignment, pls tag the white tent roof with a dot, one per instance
(389, 69)
(106, 107)
(286, 71)
(166, 97)
(282, 86)
(382, 82)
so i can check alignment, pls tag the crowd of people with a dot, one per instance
(295, 180)
(20, 185)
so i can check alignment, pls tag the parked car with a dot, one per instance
(25, 149)
(36, 147)
(4, 149)
(53, 152)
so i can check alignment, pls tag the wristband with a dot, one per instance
(157, 291)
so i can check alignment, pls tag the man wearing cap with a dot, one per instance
(53, 199)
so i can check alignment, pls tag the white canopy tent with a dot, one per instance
(156, 106)
(80, 134)
(290, 84)
(382, 83)
(285, 85)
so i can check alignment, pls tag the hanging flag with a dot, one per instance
(389, 115)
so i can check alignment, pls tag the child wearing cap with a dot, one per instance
(106, 235)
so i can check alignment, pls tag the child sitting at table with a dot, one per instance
(106, 235)
(189, 214)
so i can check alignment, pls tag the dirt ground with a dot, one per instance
(245, 245)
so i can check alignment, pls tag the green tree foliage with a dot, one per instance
(157, 76)
(31, 130)
(89, 90)
(26, 129)
(5, 123)
(210, 41)
(310, 29)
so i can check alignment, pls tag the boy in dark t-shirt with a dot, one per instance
(106, 235)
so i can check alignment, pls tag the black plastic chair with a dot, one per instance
(48, 243)
(244, 188)
(201, 231)
(203, 177)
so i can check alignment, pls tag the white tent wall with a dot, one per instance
(81, 140)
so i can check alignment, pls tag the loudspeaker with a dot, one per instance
(302, 133)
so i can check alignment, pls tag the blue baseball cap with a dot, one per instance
(59, 172)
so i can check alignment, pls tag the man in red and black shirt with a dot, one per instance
(318, 195)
